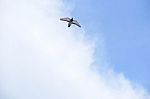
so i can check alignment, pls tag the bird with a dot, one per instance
(70, 21)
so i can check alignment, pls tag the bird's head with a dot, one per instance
(71, 19)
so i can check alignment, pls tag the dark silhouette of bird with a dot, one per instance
(70, 21)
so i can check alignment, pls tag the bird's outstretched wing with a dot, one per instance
(65, 19)
(76, 23)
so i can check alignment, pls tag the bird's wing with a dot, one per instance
(65, 19)
(76, 23)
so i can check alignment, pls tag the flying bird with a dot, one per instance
(70, 21)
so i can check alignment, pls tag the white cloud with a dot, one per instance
(41, 58)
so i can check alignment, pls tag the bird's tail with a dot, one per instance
(69, 25)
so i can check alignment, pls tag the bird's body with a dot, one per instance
(70, 21)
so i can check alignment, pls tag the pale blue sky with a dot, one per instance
(125, 26)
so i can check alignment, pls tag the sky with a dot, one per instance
(124, 28)
(41, 58)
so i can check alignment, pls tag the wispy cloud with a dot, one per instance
(41, 58)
